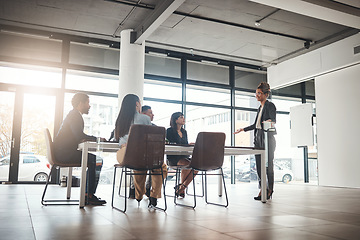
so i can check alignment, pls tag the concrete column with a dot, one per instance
(131, 69)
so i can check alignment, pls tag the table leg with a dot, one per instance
(84, 161)
(264, 158)
(69, 184)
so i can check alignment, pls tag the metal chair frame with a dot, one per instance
(129, 172)
(151, 138)
(55, 164)
(187, 192)
(203, 168)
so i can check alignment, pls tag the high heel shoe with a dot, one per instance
(269, 194)
(258, 197)
(177, 190)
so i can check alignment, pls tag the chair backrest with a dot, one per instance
(50, 153)
(145, 147)
(49, 147)
(208, 153)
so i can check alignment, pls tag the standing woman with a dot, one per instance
(129, 115)
(265, 113)
(178, 135)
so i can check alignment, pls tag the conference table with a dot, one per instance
(170, 149)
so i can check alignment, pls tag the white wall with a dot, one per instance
(315, 63)
(338, 127)
(336, 70)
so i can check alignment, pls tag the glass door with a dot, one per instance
(23, 118)
(28, 100)
(38, 114)
(7, 100)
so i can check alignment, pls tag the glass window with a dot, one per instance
(21, 45)
(207, 119)
(245, 99)
(100, 122)
(38, 113)
(30, 159)
(290, 90)
(162, 65)
(5, 162)
(207, 95)
(162, 112)
(284, 104)
(248, 79)
(199, 119)
(7, 100)
(163, 90)
(96, 82)
(101, 119)
(244, 119)
(208, 72)
(95, 56)
(30, 75)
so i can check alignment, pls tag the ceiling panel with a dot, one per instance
(224, 29)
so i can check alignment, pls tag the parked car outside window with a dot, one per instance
(247, 173)
(31, 168)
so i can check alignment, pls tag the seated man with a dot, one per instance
(66, 142)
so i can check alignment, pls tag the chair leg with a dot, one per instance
(47, 202)
(46, 185)
(130, 183)
(113, 190)
(121, 176)
(166, 184)
(223, 179)
(128, 172)
(202, 187)
(125, 198)
(194, 195)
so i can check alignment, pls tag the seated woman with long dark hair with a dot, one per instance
(130, 114)
(178, 135)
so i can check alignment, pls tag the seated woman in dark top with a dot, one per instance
(178, 135)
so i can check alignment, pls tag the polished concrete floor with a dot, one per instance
(297, 211)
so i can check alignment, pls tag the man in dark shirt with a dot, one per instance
(66, 142)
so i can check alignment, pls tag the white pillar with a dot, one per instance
(131, 69)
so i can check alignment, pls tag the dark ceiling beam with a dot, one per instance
(147, 6)
(162, 11)
(325, 10)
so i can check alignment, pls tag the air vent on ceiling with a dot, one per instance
(356, 50)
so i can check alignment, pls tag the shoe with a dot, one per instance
(269, 194)
(138, 200)
(152, 202)
(93, 200)
(147, 192)
(258, 197)
(132, 193)
(177, 190)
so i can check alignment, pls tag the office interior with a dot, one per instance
(205, 59)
